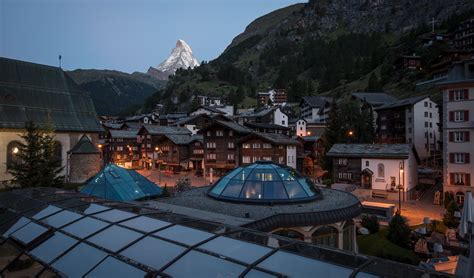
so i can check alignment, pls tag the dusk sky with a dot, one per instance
(122, 35)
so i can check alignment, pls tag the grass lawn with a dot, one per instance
(379, 246)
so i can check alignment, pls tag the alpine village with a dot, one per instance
(331, 138)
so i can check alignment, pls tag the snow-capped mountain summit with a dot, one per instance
(181, 57)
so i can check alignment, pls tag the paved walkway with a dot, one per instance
(168, 179)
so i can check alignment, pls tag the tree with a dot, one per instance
(371, 222)
(398, 231)
(182, 184)
(333, 134)
(38, 164)
(374, 84)
(448, 218)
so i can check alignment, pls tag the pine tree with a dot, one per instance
(38, 165)
(398, 231)
(333, 134)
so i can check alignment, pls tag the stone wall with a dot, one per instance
(83, 167)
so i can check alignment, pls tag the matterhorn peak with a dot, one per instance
(181, 57)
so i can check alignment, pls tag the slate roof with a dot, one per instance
(274, 138)
(402, 102)
(230, 125)
(370, 150)
(84, 146)
(123, 133)
(265, 125)
(316, 101)
(113, 125)
(310, 138)
(45, 95)
(173, 116)
(162, 130)
(209, 108)
(179, 139)
(374, 99)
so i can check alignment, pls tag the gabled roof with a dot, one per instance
(45, 95)
(402, 102)
(230, 125)
(266, 126)
(178, 139)
(162, 130)
(173, 116)
(113, 125)
(120, 184)
(274, 138)
(310, 138)
(84, 146)
(122, 133)
(315, 101)
(208, 108)
(371, 150)
(374, 99)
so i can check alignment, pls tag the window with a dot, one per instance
(426, 124)
(459, 178)
(431, 124)
(230, 157)
(13, 149)
(426, 104)
(211, 145)
(256, 145)
(460, 158)
(431, 105)
(426, 114)
(246, 146)
(409, 109)
(381, 170)
(280, 146)
(267, 146)
(409, 130)
(431, 115)
(230, 145)
(208, 133)
(409, 140)
(458, 95)
(344, 176)
(268, 158)
(219, 133)
(245, 159)
(119, 148)
(367, 163)
(459, 116)
(211, 156)
(281, 159)
(342, 161)
(255, 158)
(283, 122)
(325, 235)
(231, 133)
(431, 134)
(383, 127)
(459, 136)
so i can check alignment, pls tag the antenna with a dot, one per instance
(60, 60)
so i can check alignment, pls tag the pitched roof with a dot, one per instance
(113, 125)
(209, 108)
(179, 139)
(402, 102)
(119, 184)
(310, 138)
(234, 126)
(265, 125)
(374, 99)
(162, 130)
(123, 133)
(316, 101)
(274, 138)
(84, 146)
(371, 150)
(45, 95)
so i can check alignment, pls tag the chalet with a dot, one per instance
(315, 108)
(171, 118)
(196, 154)
(197, 122)
(148, 137)
(213, 110)
(49, 97)
(173, 152)
(381, 170)
(210, 101)
(412, 121)
(411, 62)
(273, 97)
(372, 100)
(272, 115)
(268, 128)
(220, 140)
(464, 35)
(151, 118)
(122, 148)
(274, 147)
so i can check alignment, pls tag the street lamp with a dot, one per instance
(401, 181)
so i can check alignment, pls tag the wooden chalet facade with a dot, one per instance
(122, 148)
(172, 151)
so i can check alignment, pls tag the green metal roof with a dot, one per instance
(44, 95)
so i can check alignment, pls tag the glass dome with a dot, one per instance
(264, 182)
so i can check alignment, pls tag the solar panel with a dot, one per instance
(153, 252)
(112, 267)
(184, 234)
(53, 247)
(114, 238)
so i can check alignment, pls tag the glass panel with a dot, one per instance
(274, 190)
(145, 224)
(24, 266)
(62, 218)
(252, 190)
(93, 208)
(298, 266)
(153, 252)
(112, 267)
(29, 232)
(85, 227)
(114, 215)
(239, 250)
(233, 188)
(53, 247)
(115, 238)
(263, 175)
(17, 225)
(46, 212)
(217, 189)
(184, 235)
(258, 274)
(307, 186)
(197, 264)
(294, 190)
(79, 260)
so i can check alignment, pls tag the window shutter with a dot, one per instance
(466, 136)
(451, 137)
(451, 178)
(451, 95)
(468, 179)
(467, 158)
(466, 115)
(466, 94)
(451, 116)
(451, 158)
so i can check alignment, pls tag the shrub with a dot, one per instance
(371, 222)
(183, 184)
(399, 231)
(448, 219)
(448, 198)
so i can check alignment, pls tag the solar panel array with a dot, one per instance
(46, 232)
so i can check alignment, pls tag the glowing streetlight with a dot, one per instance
(351, 133)
(15, 150)
(100, 146)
